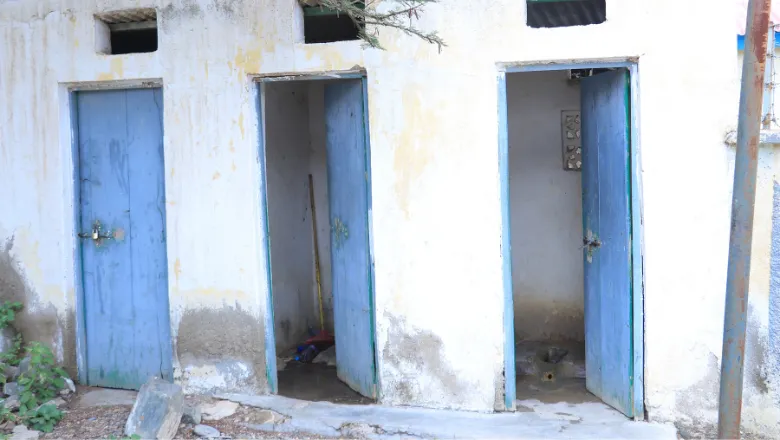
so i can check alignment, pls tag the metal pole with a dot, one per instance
(742, 204)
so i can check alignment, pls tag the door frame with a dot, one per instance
(268, 318)
(69, 136)
(637, 242)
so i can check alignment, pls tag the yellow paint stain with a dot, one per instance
(412, 153)
(177, 269)
(76, 43)
(206, 70)
(330, 58)
(216, 176)
(26, 252)
(171, 203)
(232, 148)
(192, 79)
(241, 124)
(117, 70)
(233, 165)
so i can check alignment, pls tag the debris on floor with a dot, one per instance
(206, 431)
(327, 357)
(219, 410)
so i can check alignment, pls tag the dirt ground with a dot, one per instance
(106, 422)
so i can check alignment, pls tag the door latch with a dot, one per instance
(95, 234)
(590, 242)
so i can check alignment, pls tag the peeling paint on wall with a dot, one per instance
(221, 350)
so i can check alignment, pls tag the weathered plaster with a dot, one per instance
(434, 169)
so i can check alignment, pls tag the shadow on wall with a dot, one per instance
(36, 321)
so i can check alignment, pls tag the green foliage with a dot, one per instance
(7, 416)
(12, 357)
(42, 380)
(132, 437)
(8, 312)
(44, 418)
(364, 14)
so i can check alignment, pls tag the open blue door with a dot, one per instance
(606, 188)
(348, 192)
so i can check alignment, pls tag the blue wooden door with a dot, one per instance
(124, 269)
(606, 207)
(348, 192)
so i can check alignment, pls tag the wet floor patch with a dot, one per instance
(316, 382)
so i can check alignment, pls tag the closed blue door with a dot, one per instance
(348, 191)
(122, 236)
(606, 188)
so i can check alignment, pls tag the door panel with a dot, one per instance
(350, 259)
(607, 228)
(125, 276)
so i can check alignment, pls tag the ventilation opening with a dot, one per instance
(324, 25)
(563, 13)
(122, 32)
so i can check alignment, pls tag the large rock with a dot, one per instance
(11, 389)
(24, 364)
(22, 433)
(219, 410)
(11, 373)
(157, 411)
(191, 414)
(12, 403)
(7, 337)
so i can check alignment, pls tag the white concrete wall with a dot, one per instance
(434, 162)
(546, 210)
(289, 212)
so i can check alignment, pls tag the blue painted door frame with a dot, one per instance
(120, 195)
(635, 385)
(349, 190)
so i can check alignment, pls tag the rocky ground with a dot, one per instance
(94, 413)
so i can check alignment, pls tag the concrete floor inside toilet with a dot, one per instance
(551, 372)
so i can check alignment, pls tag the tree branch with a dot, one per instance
(363, 13)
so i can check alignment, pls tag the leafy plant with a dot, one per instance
(11, 357)
(363, 13)
(132, 437)
(8, 312)
(7, 416)
(44, 418)
(42, 380)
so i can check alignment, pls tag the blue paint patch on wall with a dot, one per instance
(741, 41)
(774, 287)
